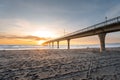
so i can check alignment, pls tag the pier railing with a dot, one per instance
(107, 22)
(93, 27)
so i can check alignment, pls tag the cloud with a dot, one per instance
(26, 27)
(29, 37)
(9, 23)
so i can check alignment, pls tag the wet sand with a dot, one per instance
(74, 64)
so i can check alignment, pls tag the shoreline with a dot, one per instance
(82, 49)
(33, 47)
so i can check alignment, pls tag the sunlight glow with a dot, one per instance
(40, 42)
(44, 34)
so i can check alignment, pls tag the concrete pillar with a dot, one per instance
(57, 44)
(52, 44)
(68, 42)
(49, 45)
(102, 41)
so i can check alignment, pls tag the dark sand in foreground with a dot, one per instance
(75, 64)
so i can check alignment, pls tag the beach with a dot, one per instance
(60, 64)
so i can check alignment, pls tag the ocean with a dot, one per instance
(27, 47)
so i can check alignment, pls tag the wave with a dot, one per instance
(26, 47)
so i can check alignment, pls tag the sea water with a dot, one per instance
(27, 47)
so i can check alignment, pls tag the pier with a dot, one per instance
(100, 29)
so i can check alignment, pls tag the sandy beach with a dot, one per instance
(74, 64)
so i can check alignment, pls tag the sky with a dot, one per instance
(35, 21)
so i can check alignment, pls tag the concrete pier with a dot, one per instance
(102, 41)
(52, 44)
(68, 43)
(57, 44)
(100, 29)
(49, 45)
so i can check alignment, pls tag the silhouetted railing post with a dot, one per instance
(117, 19)
(106, 19)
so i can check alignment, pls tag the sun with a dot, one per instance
(44, 34)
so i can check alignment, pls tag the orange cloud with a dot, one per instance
(21, 40)
(29, 37)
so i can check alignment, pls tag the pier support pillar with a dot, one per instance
(68, 42)
(52, 44)
(49, 45)
(57, 44)
(102, 41)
